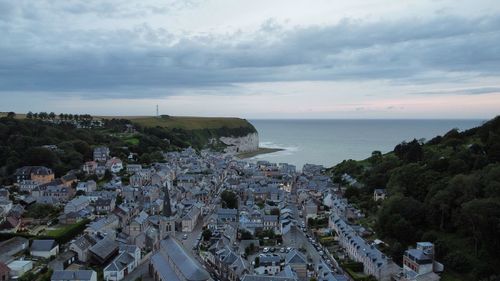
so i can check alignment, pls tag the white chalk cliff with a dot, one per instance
(246, 143)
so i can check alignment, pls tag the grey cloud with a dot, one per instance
(144, 61)
(471, 91)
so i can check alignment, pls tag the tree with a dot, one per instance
(246, 235)
(52, 115)
(482, 218)
(229, 199)
(29, 115)
(206, 234)
(43, 115)
(11, 115)
(119, 200)
(257, 261)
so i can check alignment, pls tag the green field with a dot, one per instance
(189, 123)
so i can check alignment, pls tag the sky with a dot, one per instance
(252, 59)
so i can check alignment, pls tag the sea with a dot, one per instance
(329, 142)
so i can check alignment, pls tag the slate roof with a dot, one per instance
(43, 245)
(67, 275)
(104, 248)
(294, 257)
(266, 278)
(171, 252)
(120, 262)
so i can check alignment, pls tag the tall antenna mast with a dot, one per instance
(157, 112)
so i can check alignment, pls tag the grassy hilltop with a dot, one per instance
(186, 122)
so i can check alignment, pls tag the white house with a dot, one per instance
(44, 248)
(114, 164)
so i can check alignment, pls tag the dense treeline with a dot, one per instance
(446, 191)
(22, 141)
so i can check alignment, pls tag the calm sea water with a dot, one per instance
(328, 142)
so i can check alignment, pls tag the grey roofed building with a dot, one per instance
(104, 249)
(172, 263)
(43, 245)
(120, 262)
(267, 278)
(79, 275)
(11, 247)
(295, 257)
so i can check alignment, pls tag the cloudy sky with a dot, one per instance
(253, 59)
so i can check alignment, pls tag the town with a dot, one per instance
(197, 215)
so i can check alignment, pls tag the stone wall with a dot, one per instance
(247, 143)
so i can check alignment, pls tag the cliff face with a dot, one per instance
(246, 143)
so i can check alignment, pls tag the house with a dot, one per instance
(28, 185)
(86, 186)
(114, 165)
(171, 262)
(38, 174)
(11, 224)
(89, 167)
(419, 263)
(77, 275)
(230, 265)
(4, 272)
(101, 153)
(104, 226)
(270, 222)
(379, 194)
(19, 268)
(310, 209)
(5, 206)
(190, 219)
(103, 206)
(133, 168)
(138, 224)
(76, 204)
(44, 248)
(103, 251)
(127, 260)
(69, 179)
(269, 264)
(374, 261)
(297, 262)
(62, 261)
(12, 247)
(81, 247)
(227, 215)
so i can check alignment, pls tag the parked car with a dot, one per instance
(266, 250)
(184, 237)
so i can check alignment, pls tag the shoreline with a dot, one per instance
(261, 150)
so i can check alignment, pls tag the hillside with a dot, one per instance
(446, 191)
(22, 139)
(188, 122)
